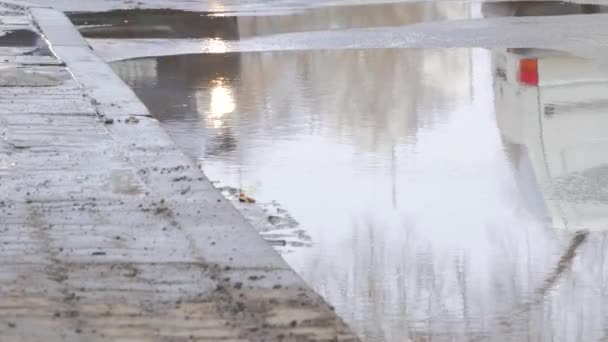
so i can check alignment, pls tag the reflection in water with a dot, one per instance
(143, 23)
(539, 8)
(217, 45)
(178, 24)
(216, 6)
(557, 128)
(555, 124)
(222, 102)
(335, 18)
(430, 216)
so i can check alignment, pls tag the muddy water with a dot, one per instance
(441, 194)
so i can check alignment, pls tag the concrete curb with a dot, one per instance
(56, 27)
(68, 45)
(112, 96)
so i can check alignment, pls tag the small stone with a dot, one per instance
(132, 119)
(274, 219)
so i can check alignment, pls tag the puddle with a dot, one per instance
(155, 24)
(19, 38)
(522, 25)
(179, 24)
(23, 42)
(539, 8)
(436, 197)
(124, 24)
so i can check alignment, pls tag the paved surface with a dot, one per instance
(582, 35)
(243, 6)
(107, 230)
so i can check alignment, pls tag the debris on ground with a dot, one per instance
(272, 221)
(245, 199)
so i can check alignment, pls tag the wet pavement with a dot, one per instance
(578, 29)
(448, 192)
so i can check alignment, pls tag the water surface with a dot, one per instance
(444, 198)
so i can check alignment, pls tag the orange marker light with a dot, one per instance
(528, 71)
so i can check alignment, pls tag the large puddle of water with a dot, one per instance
(440, 194)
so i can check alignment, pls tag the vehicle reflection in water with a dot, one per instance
(552, 112)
